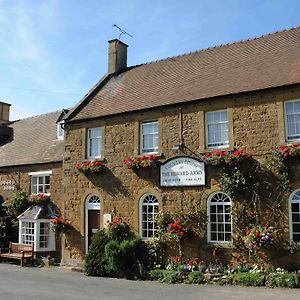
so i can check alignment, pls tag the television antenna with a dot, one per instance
(122, 31)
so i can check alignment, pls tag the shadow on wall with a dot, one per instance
(108, 182)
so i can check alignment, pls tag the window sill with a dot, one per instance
(227, 245)
(293, 142)
(94, 158)
(158, 155)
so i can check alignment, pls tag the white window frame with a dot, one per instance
(142, 150)
(291, 232)
(209, 204)
(60, 131)
(36, 234)
(225, 144)
(285, 122)
(154, 204)
(40, 174)
(99, 138)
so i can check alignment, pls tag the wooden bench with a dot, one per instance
(19, 251)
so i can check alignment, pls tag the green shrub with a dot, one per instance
(157, 274)
(196, 277)
(290, 280)
(127, 258)
(248, 279)
(171, 277)
(95, 261)
(112, 255)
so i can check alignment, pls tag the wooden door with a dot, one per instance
(93, 223)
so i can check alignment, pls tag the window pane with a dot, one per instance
(292, 118)
(296, 237)
(217, 128)
(295, 217)
(149, 137)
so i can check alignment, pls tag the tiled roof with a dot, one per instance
(269, 61)
(34, 141)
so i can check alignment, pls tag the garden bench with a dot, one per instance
(19, 251)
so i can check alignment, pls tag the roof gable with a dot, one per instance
(269, 61)
(34, 141)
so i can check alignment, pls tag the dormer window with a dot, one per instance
(60, 130)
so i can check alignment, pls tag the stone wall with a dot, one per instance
(21, 180)
(256, 124)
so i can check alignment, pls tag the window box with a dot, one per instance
(141, 162)
(91, 167)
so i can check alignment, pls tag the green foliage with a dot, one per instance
(156, 274)
(127, 258)
(196, 277)
(171, 277)
(95, 260)
(19, 203)
(290, 280)
(116, 252)
(248, 279)
(118, 230)
(233, 181)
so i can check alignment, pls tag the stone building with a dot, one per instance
(243, 95)
(31, 156)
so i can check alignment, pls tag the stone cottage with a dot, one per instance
(244, 95)
(31, 156)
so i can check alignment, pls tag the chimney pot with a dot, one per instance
(117, 56)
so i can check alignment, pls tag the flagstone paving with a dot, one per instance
(18, 283)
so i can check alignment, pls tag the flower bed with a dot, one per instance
(145, 161)
(93, 166)
(215, 273)
(219, 158)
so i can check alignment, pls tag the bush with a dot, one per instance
(166, 276)
(157, 274)
(171, 277)
(196, 277)
(248, 279)
(116, 252)
(290, 280)
(95, 261)
(127, 258)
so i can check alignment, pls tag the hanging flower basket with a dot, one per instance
(93, 166)
(60, 225)
(221, 158)
(285, 152)
(141, 162)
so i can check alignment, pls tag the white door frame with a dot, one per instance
(89, 205)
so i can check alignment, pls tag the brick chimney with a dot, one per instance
(117, 56)
(4, 112)
(6, 132)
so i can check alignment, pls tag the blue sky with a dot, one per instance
(53, 52)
